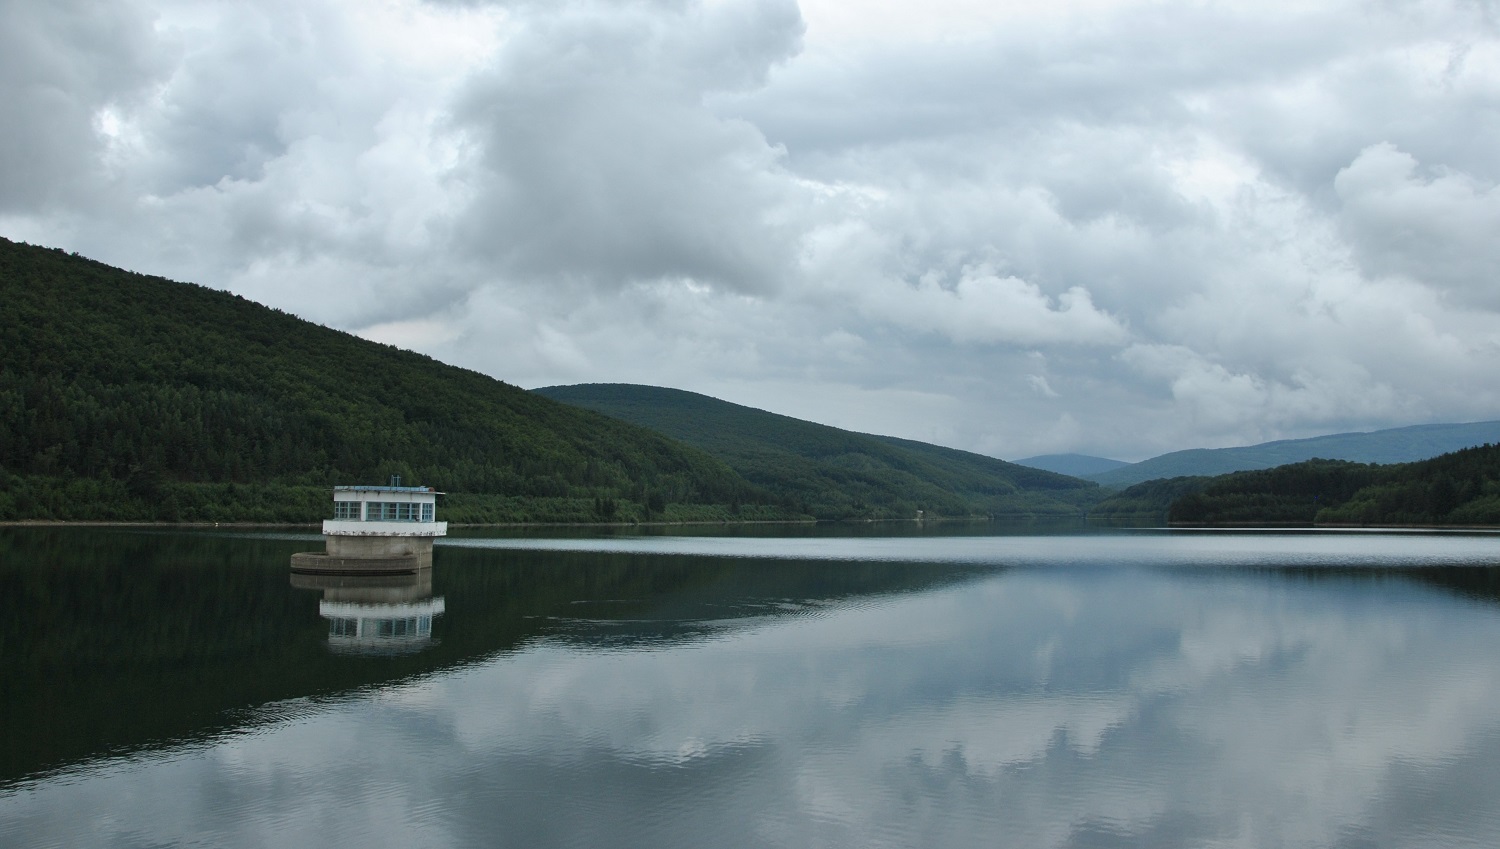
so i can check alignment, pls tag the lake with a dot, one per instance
(760, 687)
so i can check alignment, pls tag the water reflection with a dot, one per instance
(690, 701)
(97, 624)
(376, 615)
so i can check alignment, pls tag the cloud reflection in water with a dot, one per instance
(1031, 707)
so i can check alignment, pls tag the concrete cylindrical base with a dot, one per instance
(378, 546)
(368, 587)
(320, 563)
(373, 555)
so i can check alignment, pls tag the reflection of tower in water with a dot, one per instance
(376, 615)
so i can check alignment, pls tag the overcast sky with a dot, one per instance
(1115, 227)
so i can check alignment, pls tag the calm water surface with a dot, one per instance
(940, 689)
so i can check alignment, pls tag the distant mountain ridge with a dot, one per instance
(832, 473)
(1394, 445)
(1073, 465)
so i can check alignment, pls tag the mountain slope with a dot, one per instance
(1458, 488)
(833, 473)
(124, 396)
(1397, 445)
(1074, 465)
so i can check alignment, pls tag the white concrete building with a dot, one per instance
(377, 529)
(369, 511)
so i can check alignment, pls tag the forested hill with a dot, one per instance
(128, 397)
(1077, 465)
(1461, 488)
(833, 473)
(1396, 445)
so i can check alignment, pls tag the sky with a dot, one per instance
(1116, 227)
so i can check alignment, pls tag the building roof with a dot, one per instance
(363, 488)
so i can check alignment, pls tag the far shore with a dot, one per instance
(316, 526)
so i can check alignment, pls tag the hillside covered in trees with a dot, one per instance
(837, 474)
(1394, 445)
(1461, 488)
(128, 397)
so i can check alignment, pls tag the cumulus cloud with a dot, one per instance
(984, 307)
(1214, 224)
(1438, 229)
(67, 69)
(598, 161)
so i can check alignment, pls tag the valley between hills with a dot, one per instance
(131, 398)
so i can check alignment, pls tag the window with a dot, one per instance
(396, 627)
(384, 511)
(393, 511)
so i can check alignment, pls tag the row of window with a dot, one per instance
(383, 511)
(411, 626)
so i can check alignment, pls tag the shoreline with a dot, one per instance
(317, 527)
(1320, 526)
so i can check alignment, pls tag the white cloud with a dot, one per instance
(1040, 384)
(1438, 229)
(1219, 223)
(599, 162)
(983, 307)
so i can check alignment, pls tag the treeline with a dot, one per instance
(1147, 502)
(1461, 488)
(127, 397)
(838, 474)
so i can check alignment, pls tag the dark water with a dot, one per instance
(947, 689)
